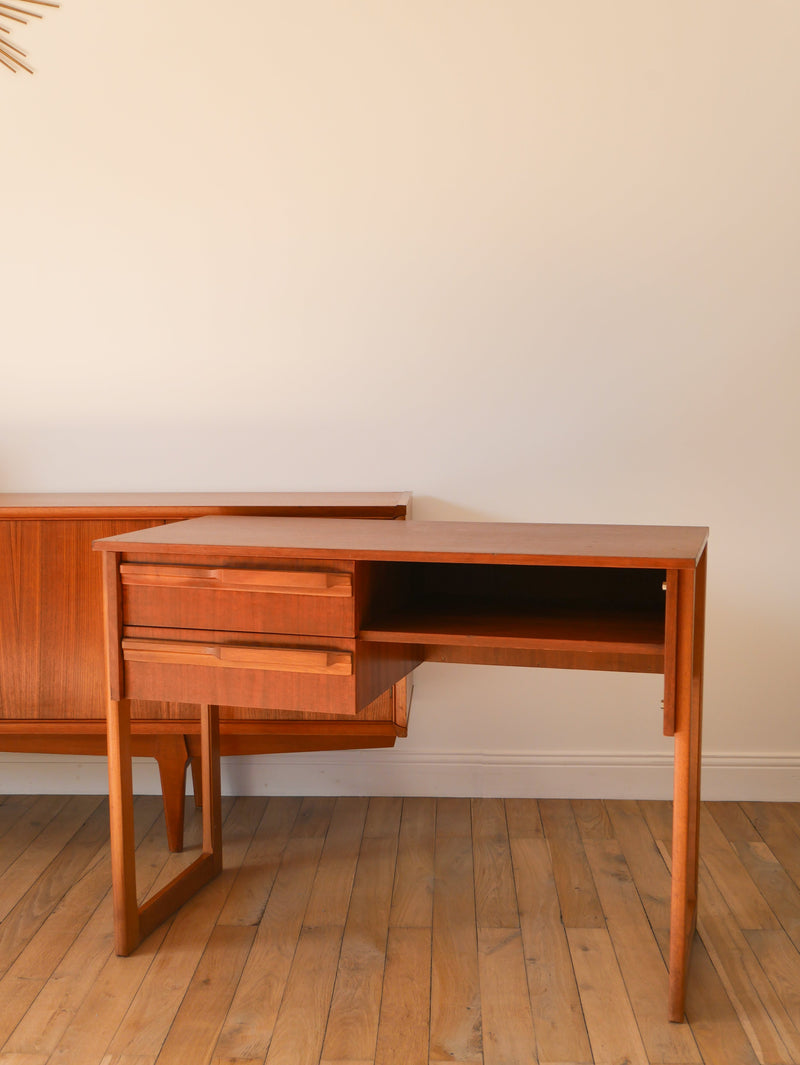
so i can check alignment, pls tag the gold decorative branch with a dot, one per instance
(10, 56)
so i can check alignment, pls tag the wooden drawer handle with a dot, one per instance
(275, 581)
(232, 656)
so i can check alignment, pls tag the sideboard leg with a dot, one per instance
(197, 781)
(172, 758)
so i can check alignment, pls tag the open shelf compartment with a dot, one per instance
(560, 608)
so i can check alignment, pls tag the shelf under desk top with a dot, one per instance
(626, 633)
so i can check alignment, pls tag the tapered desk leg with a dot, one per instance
(211, 784)
(133, 923)
(123, 844)
(686, 797)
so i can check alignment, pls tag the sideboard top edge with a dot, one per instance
(177, 506)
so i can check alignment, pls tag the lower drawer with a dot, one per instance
(278, 676)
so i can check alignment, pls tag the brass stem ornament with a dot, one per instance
(10, 56)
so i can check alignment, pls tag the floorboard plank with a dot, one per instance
(523, 819)
(455, 1025)
(580, 906)
(330, 894)
(495, 898)
(645, 861)
(723, 863)
(300, 1025)
(779, 832)
(14, 810)
(352, 1029)
(645, 974)
(249, 1025)
(20, 831)
(780, 961)
(403, 1031)
(613, 1032)
(591, 817)
(203, 1009)
(508, 1033)
(412, 900)
(555, 1002)
(712, 1017)
(41, 850)
(248, 898)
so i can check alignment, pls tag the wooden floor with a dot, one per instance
(401, 932)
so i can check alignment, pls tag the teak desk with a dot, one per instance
(322, 615)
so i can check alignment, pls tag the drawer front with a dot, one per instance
(314, 679)
(317, 602)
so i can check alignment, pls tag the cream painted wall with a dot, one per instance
(535, 261)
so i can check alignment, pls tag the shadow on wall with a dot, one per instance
(431, 508)
(6, 477)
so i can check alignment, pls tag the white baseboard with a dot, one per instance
(764, 776)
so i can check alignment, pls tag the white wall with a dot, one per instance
(533, 261)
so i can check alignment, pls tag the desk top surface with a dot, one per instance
(657, 546)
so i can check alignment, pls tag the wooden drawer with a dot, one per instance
(293, 599)
(284, 675)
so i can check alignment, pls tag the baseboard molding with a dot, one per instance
(762, 776)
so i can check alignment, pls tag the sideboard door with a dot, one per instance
(52, 662)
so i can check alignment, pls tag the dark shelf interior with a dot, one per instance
(561, 607)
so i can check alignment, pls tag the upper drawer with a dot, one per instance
(312, 601)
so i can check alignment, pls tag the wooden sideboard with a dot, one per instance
(52, 662)
(325, 615)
